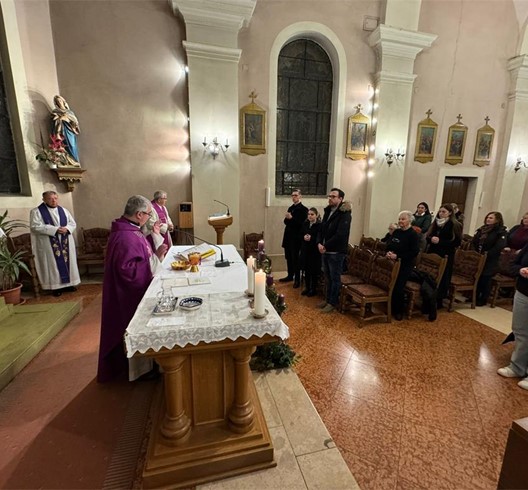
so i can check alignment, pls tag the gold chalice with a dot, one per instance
(194, 260)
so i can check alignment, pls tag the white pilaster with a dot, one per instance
(396, 49)
(212, 55)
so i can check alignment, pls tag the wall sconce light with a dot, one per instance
(214, 147)
(390, 156)
(519, 163)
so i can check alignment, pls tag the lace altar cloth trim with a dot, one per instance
(222, 316)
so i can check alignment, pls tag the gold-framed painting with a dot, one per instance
(456, 142)
(426, 139)
(484, 144)
(357, 136)
(252, 128)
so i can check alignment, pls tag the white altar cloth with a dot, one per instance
(225, 313)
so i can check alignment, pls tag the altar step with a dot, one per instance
(26, 330)
(305, 453)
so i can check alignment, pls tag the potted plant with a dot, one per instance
(11, 263)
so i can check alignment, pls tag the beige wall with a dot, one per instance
(121, 69)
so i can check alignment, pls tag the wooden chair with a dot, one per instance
(368, 242)
(250, 241)
(23, 242)
(379, 289)
(93, 247)
(380, 247)
(467, 268)
(431, 264)
(504, 278)
(467, 242)
(358, 272)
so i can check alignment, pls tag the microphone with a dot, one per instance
(218, 263)
(224, 204)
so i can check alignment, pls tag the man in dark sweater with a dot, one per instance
(332, 242)
(292, 239)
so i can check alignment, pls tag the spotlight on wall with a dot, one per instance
(214, 147)
(519, 163)
(390, 156)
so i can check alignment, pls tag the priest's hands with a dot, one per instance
(62, 230)
(161, 251)
(156, 228)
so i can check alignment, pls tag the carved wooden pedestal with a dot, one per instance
(70, 175)
(209, 423)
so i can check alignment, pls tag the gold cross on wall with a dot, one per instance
(429, 112)
(459, 117)
(487, 120)
(253, 96)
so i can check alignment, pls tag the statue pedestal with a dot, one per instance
(70, 175)
(220, 223)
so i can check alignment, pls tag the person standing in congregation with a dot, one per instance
(518, 367)
(332, 242)
(161, 215)
(292, 239)
(443, 237)
(130, 265)
(490, 239)
(310, 256)
(422, 217)
(53, 245)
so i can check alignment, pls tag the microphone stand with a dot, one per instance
(218, 263)
(223, 204)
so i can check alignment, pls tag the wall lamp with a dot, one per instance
(519, 163)
(390, 156)
(214, 147)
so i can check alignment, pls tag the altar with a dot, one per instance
(208, 421)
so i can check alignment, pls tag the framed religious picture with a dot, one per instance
(426, 139)
(357, 136)
(456, 142)
(484, 144)
(252, 128)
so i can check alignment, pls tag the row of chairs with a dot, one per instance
(371, 277)
(91, 252)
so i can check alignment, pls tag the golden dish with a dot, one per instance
(180, 265)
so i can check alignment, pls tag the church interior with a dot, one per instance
(426, 100)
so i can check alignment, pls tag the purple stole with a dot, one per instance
(162, 215)
(60, 244)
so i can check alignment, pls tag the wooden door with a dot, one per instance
(455, 190)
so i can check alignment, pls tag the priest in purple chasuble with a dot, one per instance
(53, 245)
(159, 215)
(130, 264)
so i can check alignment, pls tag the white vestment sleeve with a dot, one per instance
(37, 225)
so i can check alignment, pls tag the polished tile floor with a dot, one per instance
(410, 404)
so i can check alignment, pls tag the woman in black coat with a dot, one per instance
(443, 238)
(310, 256)
(491, 239)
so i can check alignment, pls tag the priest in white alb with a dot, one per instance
(53, 245)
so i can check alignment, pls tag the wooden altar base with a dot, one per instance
(211, 451)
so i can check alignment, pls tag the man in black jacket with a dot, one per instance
(292, 240)
(333, 244)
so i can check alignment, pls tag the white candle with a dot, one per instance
(205, 140)
(260, 292)
(250, 262)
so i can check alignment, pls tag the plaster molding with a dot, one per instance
(394, 77)
(230, 15)
(518, 95)
(399, 43)
(208, 51)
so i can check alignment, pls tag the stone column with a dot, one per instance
(212, 53)
(512, 185)
(396, 49)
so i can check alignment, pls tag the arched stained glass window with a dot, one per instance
(304, 110)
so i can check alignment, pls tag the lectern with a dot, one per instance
(220, 223)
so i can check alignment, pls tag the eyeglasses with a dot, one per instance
(148, 214)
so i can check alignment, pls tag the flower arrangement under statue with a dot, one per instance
(276, 355)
